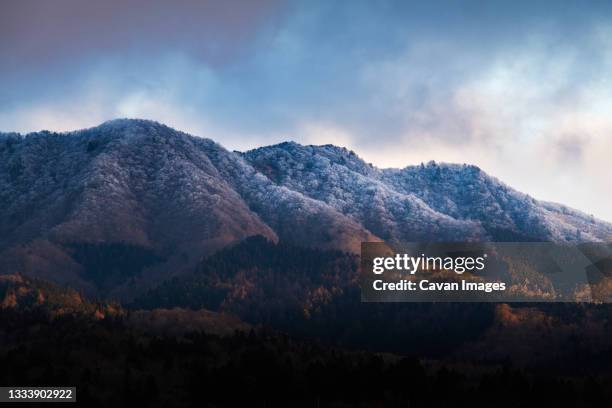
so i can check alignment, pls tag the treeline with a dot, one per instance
(35, 296)
(260, 281)
(315, 294)
(110, 264)
(53, 336)
(112, 364)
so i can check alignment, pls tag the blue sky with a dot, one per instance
(521, 89)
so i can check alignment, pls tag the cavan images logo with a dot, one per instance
(486, 272)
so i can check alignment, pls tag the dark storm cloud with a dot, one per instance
(38, 32)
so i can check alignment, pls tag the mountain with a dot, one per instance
(165, 198)
(125, 205)
(452, 202)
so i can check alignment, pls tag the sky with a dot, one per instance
(522, 89)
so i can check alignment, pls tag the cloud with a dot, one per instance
(520, 89)
(38, 33)
(535, 116)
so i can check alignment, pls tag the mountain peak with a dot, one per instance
(151, 192)
(273, 159)
(131, 127)
(131, 122)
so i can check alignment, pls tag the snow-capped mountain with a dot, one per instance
(452, 202)
(140, 184)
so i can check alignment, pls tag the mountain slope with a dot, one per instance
(147, 202)
(142, 185)
(427, 202)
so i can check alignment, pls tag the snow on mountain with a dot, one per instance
(451, 202)
(144, 185)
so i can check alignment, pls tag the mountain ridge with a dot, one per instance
(425, 187)
(142, 184)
